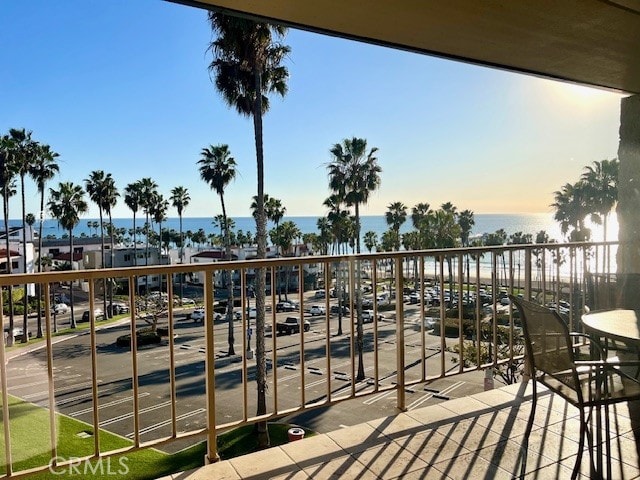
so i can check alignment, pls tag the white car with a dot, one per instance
(317, 310)
(198, 315)
(59, 308)
(367, 316)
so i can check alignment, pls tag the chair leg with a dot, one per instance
(525, 443)
(583, 432)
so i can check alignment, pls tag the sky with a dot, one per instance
(123, 86)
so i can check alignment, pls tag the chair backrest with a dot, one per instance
(548, 347)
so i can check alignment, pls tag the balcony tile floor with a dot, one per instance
(477, 437)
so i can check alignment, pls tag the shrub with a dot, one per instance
(143, 337)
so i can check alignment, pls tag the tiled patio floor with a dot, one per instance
(477, 437)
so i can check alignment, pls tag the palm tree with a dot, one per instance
(180, 200)
(283, 236)
(218, 169)
(324, 236)
(100, 188)
(353, 174)
(247, 65)
(571, 209)
(25, 151)
(159, 211)
(132, 198)
(601, 181)
(8, 189)
(370, 240)
(148, 193)
(66, 205)
(44, 168)
(601, 184)
(275, 211)
(466, 223)
(445, 235)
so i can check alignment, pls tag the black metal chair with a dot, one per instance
(585, 384)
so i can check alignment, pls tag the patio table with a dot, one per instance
(619, 325)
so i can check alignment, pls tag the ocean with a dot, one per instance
(484, 223)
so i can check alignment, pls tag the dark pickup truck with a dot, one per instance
(291, 325)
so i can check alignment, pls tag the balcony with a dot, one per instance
(188, 388)
(472, 437)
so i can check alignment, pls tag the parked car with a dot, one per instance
(97, 313)
(59, 308)
(335, 309)
(188, 301)
(367, 316)
(285, 307)
(252, 312)
(17, 333)
(291, 325)
(317, 310)
(319, 294)
(198, 315)
(118, 308)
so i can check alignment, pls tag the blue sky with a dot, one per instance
(122, 86)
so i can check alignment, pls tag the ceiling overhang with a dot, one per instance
(589, 42)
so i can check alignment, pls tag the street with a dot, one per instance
(301, 375)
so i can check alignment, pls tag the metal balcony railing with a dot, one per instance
(434, 314)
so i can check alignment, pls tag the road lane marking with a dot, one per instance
(126, 416)
(108, 404)
(431, 395)
(151, 428)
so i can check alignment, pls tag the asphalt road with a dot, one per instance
(301, 375)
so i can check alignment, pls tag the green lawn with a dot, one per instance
(30, 447)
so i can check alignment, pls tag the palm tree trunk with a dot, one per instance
(73, 318)
(261, 234)
(39, 327)
(229, 280)
(25, 297)
(5, 205)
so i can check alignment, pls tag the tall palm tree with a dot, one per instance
(275, 210)
(571, 209)
(24, 154)
(180, 200)
(466, 222)
(247, 66)
(8, 189)
(354, 173)
(148, 192)
(601, 184)
(159, 211)
(396, 215)
(66, 204)
(283, 236)
(370, 240)
(132, 198)
(218, 169)
(99, 187)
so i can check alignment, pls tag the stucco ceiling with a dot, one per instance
(591, 42)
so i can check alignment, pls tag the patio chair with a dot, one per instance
(585, 384)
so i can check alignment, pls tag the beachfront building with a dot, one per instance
(17, 253)
(122, 257)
